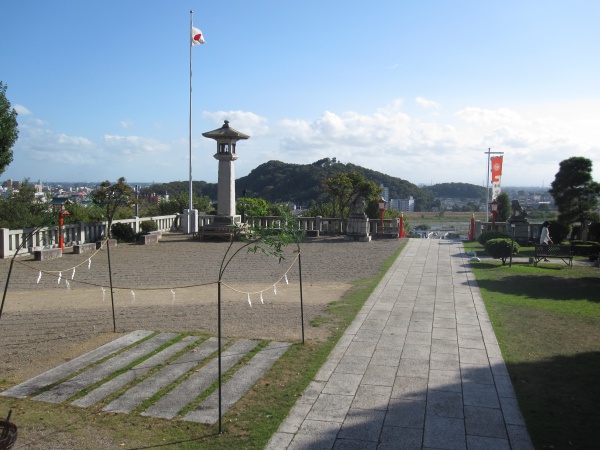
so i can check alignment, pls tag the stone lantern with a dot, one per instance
(226, 138)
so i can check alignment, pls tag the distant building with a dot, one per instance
(386, 193)
(403, 204)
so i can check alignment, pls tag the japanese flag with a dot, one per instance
(197, 37)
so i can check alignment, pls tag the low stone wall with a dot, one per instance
(145, 239)
(111, 242)
(84, 248)
(47, 253)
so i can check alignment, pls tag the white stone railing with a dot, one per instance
(10, 240)
(82, 232)
(323, 225)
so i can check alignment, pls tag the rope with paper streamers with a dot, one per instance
(88, 261)
(59, 272)
(272, 286)
(132, 290)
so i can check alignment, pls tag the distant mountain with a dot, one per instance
(276, 182)
(457, 190)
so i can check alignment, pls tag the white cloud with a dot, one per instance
(243, 121)
(482, 116)
(135, 145)
(427, 103)
(21, 110)
(126, 123)
(440, 148)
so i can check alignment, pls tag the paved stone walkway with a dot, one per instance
(420, 367)
(179, 356)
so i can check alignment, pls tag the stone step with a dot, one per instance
(238, 385)
(32, 386)
(169, 405)
(154, 384)
(69, 388)
(134, 373)
(62, 384)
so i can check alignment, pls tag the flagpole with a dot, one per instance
(487, 188)
(189, 218)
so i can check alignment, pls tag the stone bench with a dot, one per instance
(111, 242)
(545, 251)
(151, 238)
(84, 248)
(47, 253)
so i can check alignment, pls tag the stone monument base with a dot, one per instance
(358, 229)
(356, 238)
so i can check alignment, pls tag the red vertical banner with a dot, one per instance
(472, 228)
(496, 176)
(401, 229)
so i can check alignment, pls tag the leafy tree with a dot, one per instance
(8, 129)
(21, 210)
(575, 192)
(81, 213)
(504, 208)
(320, 209)
(178, 204)
(346, 188)
(252, 206)
(112, 197)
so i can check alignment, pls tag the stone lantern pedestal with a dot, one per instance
(358, 228)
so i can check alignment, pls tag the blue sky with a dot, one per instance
(414, 89)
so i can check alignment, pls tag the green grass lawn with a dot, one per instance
(547, 321)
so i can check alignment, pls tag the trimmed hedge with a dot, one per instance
(148, 225)
(500, 248)
(588, 248)
(122, 232)
(487, 235)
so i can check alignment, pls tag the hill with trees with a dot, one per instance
(302, 184)
(457, 190)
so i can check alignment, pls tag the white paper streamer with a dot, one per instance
(132, 296)
(286, 280)
(262, 302)
(89, 262)
(172, 297)
(249, 302)
(39, 277)
(68, 285)
(73, 274)
(59, 277)
(103, 293)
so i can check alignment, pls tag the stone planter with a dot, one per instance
(151, 238)
(111, 242)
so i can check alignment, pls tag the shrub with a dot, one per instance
(122, 232)
(500, 248)
(595, 231)
(581, 248)
(558, 231)
(148, 225)
(487, 235)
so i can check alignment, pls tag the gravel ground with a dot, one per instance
(171, 286)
